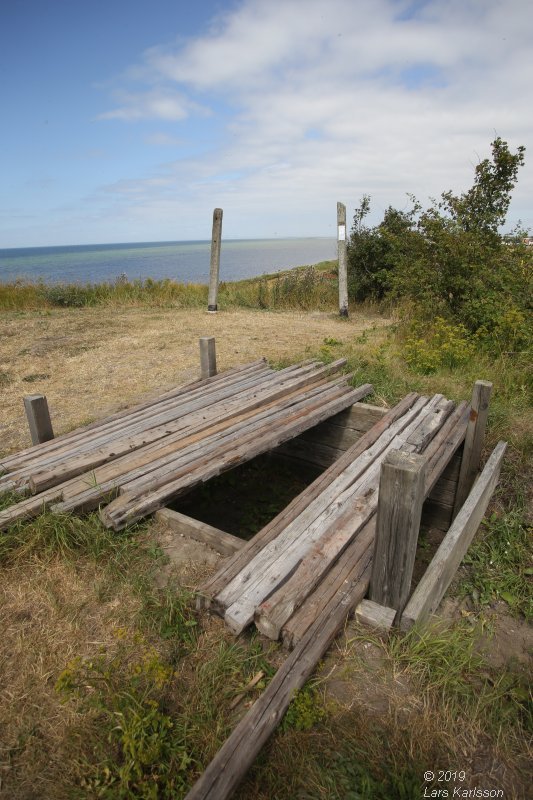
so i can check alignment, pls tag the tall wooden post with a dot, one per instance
(475, 436)
(341, 252)
(214, 268)
(38, 415)
(401, 495)
(208, 357)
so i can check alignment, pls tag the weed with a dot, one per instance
(500, 564)
(306, 709)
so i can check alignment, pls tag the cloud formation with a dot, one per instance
(284, 107)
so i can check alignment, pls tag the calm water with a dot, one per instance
(186, 262)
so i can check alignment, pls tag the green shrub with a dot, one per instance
(443, 344)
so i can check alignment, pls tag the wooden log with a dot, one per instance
(401, 494)
(375, 615)
(442, 568)
(239, 751)
(214, 267)
(233, 567)
(38, 416)
(341, 253)
(208, 357)
(222, 542)
(475, 436)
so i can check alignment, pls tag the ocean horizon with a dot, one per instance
(182, 261)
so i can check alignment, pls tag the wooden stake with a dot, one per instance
(208, 357)
(215, 260)
(341, 251)
(38, 415)
(401, 494)
(475, 436)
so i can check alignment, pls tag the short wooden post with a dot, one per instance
(215, 260)
(208, 357)
(401, 495)
(341, 252)
(38, 415)
(475, 436)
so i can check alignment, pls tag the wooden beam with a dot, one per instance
(401, 495)
(341, 252)
(375, 615)
(208, 357)
(442, 568)
(475, 435)
(214, 267)
(38, 415)
(222, 542)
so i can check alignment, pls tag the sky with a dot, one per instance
(130, 121)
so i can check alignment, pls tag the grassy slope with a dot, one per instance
(116, 686)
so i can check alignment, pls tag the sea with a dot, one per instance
(185, 262)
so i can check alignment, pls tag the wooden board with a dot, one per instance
(443, 566)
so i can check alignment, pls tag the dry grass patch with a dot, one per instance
(91, 360)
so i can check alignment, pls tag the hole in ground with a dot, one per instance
(245, 499)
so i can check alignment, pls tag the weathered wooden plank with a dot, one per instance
(262, 574)
(222, 542)
(64, 440)
(475, 435)
(291, 550)
(234, 565)
(239, 751)
(131, 508)
(401, 494)
(182, 456)
(375, 615)
(442, 568)
(179, 430)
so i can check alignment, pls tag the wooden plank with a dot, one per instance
(292, 562)
(475, 436)
(130, 508)
(442, 568)
(375, 615)
(401, 494)
(222, 542)
(262, 574)
(447, 439)
(239, 751)
(251, 397)
(232, 568)
(38, 416)
(23, 456)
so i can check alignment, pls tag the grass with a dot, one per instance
(118, 688)
(301, 288)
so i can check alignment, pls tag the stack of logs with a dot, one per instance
(320, 547)
(137, 460)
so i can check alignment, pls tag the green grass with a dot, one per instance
(301, 288)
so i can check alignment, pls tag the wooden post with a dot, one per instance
(36, 408)
(401, 495)
(341, 251)
(208, 357)
(475, 436)
(215, 260)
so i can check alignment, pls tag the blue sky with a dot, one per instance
(130, 121)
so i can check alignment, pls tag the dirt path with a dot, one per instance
(90, 361)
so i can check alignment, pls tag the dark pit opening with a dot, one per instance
(245, 499)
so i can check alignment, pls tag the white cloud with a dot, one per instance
(331, 99)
